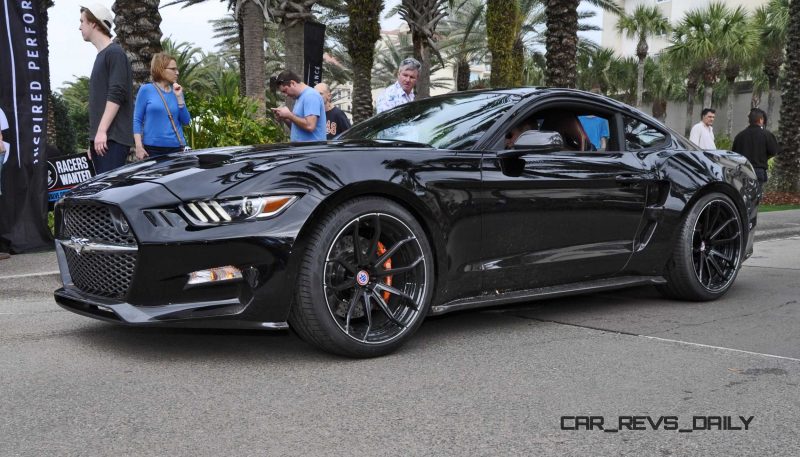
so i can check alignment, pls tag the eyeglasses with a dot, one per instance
(172, 68)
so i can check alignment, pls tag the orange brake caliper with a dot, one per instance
(386, 266)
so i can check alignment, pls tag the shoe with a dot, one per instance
(4, 255)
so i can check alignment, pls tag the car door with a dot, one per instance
(559, 217)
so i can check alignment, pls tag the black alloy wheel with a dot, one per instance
(707, 255)
(716, 245)
(366, 281)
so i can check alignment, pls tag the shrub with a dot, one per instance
(228, 121)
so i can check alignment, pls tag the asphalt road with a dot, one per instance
(493, 382)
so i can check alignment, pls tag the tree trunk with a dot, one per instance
(242, 59)
(729, 115)
(786, 176)
(640, 82)
(295, 51)
(708, 93)
(660, 109)
(422, 53)
(253, 42)
(755, 99)
(137, 28)
(362, 33)
(771, 97)
(561, 42)
(501, 34)
(689, 114)
(462, 75)
(691, 91)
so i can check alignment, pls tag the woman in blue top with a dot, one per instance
(160, 112)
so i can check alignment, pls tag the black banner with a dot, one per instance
(24, 86)
(314, 35)
(66, 172)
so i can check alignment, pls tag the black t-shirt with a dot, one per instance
(112, 80)
(337, 122)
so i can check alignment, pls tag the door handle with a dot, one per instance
(630, 179)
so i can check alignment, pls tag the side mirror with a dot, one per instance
(534, 141)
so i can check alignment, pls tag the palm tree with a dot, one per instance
(137, 25)
(663, 83)
(786, 177)
(562, 38)
(251, 14)
(771, 22)
(594, 68)
(465, 42)
(503, 22)
(362, 33)
(645, 22)
(422, 17)
(710, 35)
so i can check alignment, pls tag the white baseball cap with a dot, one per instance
(102, 14)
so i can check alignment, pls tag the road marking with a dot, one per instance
(656, 338)
(688, 343)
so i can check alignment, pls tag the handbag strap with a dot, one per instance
(169, 113)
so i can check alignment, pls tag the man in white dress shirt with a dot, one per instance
(702, 133)
(402, 91)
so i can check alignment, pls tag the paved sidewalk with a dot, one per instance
(777, 235)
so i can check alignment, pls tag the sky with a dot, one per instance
(71, 57)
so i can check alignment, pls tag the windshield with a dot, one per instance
(455, 122)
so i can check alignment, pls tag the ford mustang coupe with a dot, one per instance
(471, 199)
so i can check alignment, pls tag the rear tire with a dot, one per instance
(708, 252)
(365, 281)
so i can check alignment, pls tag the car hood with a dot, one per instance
(203, 173)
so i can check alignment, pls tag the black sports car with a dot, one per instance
(465, 200)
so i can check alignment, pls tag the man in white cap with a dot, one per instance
(110, 92)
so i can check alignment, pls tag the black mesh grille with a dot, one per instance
(94, 223)
(108, 275)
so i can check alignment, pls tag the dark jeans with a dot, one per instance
(155, 151)
(761, 174)
(113, 158)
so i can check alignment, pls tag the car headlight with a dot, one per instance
(208, 212)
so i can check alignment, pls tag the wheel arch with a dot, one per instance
(410, 201)
(727, 190)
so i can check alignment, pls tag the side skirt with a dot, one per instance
(542, 293)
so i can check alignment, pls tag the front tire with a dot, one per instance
(708, 252)
(365, 281)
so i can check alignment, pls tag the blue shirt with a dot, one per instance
(150, 117)
(595, 128)
(309, 103)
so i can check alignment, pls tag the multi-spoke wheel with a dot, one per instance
(366, 279)
(707, 256)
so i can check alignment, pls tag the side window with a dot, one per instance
(639, 135)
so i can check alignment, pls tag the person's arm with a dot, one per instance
(139, 110)
(119, 86)
(694, 135)
(345, 123)
(184, 118)
(308, 123)
(101, 138)
(772, 145)
(2, 146)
